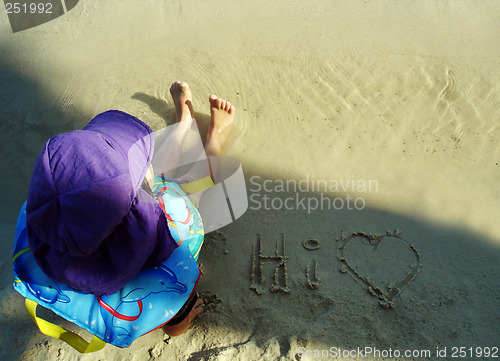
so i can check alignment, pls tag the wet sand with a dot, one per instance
(369, 137)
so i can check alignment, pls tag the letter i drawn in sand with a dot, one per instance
(280, 275)
(313, 281)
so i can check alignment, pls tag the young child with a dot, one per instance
(90, 224)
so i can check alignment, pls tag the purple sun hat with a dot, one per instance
(90, 224)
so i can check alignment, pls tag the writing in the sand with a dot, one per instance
(386, 294)
(280, 260)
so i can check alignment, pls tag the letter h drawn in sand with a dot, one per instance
(280, 275)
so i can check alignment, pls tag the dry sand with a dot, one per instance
(400, 93)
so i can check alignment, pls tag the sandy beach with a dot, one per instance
(369, 136)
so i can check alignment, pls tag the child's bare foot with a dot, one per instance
(196, 310)
(183, 100)
(221, 121)
(180, 328)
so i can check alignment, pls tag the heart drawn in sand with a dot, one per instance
(385, 263)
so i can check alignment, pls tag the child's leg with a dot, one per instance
(221, 121)
(171, 148)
